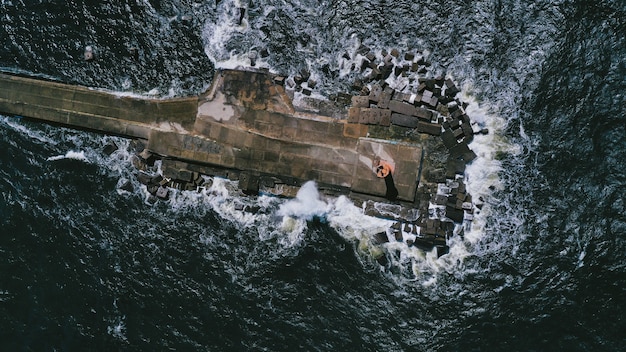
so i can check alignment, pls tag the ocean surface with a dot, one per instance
(87, 266)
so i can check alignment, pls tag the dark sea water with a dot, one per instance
(85, 266)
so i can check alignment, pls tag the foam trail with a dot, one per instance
(482, 174)
(16, 125)
(70, 155)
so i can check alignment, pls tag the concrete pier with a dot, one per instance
(246, 123)
(82, 107)
(398, 154)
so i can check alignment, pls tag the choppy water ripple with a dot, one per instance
(46, 38)
(84, 265)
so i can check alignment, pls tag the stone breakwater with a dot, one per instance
(399, 154)
(398, 99)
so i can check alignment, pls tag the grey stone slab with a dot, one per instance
(402, 108)
(385, 97)
(423, 114)
(448, 138)
(429, 128)
(360, 101)
(375, 93)
(404, 120)
(459, 150)
(354, 115)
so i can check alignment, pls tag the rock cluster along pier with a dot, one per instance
(432, 110)
(399, 154)
(398, 101)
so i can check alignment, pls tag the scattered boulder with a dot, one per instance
(143, 178)
(147, 157)
(380, 238)
(279, 80)
(162, 192)
(249, 183)
(127, 186)
(110, 148)
(442, 250)
(363, 49)
(242, 14)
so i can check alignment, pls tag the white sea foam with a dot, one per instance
(219, 31)
(482, 175)
(118, 328)
(80, 155)
(307, 203)
(14, 123)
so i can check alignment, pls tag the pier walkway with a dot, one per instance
(245, 123)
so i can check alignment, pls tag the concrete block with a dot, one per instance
(457, 113)
(423, 114)
(429, 128)
(312, 125)
(271, 156)
(257, 154)
(360, 101)
(458, 133)
(454, 167)
(385, 97)
(375, 74)
(385, 118)
(404, 120)
(290, 132)
(448, 138)
(162, 192)
(459, 150)
(249, 183)
(433, 102)
(402, 108)
(468, 132)
(375, 93)
(184, 175)
(335, 129)
(451, 88)
(364, 116)
(110, 148)
(454, 214)
(469, 156)
(376, 115)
